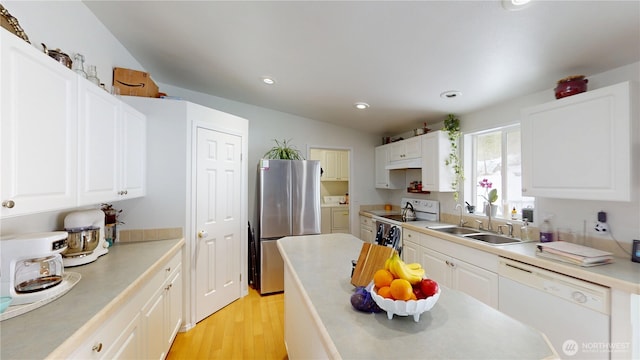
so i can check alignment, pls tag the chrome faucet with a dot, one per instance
(462, 222)
(510, 226)
(479, 224)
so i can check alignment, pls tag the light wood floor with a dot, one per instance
(249, 328)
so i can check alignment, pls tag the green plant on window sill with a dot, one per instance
(452, 127)
(283, 151)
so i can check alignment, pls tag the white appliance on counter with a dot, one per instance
(389, 227)
(573, 314)
(288, 204)
(79, 224)
(31, 265)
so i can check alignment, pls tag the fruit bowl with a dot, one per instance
(404, 308)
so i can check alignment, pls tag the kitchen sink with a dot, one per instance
(475, 234)
(457, 230)
(493, 238)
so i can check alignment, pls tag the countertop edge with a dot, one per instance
(326, 338)
(559, 267)
(74, 341)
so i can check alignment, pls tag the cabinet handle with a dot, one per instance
(9, 204)
(97, 347)
(168, 269)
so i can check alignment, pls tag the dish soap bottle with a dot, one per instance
(514, 214)
(546, 231)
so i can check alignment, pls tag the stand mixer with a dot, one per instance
(86, 237)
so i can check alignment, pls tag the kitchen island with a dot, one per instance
(320, 322)
(58, 329)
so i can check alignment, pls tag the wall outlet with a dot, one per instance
(601, 228)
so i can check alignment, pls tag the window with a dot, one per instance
(495, 156)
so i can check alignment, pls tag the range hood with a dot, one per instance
(405, 164)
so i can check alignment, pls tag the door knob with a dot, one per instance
(8, 204)
(202, 234)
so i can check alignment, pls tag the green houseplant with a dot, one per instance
(283, 151)
(452, 127)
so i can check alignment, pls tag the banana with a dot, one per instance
(414, 266)
(401, 270)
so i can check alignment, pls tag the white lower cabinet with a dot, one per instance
(366, 229)
(451, 265)
(144, 328)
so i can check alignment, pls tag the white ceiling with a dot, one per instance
(397, 56)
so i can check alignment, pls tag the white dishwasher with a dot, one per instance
(573, 314)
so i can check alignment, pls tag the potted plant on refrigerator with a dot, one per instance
(283, 151)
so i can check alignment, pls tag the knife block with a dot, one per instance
(370, 260)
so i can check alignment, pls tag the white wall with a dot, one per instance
(83, 33)
(266, 125)
(623, 217)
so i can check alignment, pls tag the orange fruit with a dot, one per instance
(401, 289)
(382, 278)
(385, 292)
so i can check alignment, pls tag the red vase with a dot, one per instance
(570, 86)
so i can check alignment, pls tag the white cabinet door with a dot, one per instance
(154, 324)
(133, 158)
(475, 281)
(325, 220)
(436, 175)
(342, 165)
(174, 308)
(406, 149)
(437, 267)
(387, 179)
(129, 344)
(340, 220)
(112, 147)
(334, 163)
(99, 143)
(366, 229)
(38, 112)
(580, 147)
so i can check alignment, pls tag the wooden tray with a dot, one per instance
(371, 259)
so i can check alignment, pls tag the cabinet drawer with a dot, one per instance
(366, 221)
(173, 265)
(105, 340)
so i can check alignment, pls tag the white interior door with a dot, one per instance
(218, 222)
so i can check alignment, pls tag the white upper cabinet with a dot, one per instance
(580, 147)
(38, 117)
(133, 152)
(64, 141)
(406, 149)
(436, 176)
(98, 141)
(334, 163)
(387, 179)
(112, 147)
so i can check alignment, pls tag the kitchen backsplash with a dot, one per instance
(125, 236)
(604, 244)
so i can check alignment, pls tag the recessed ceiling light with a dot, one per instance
(513, 5)
(451, 94)
(268, 80)
(361, 105)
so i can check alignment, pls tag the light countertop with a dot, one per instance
(458, 326)
(623, 274)
(106, 284)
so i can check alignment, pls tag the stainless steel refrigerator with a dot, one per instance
(288, 204)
